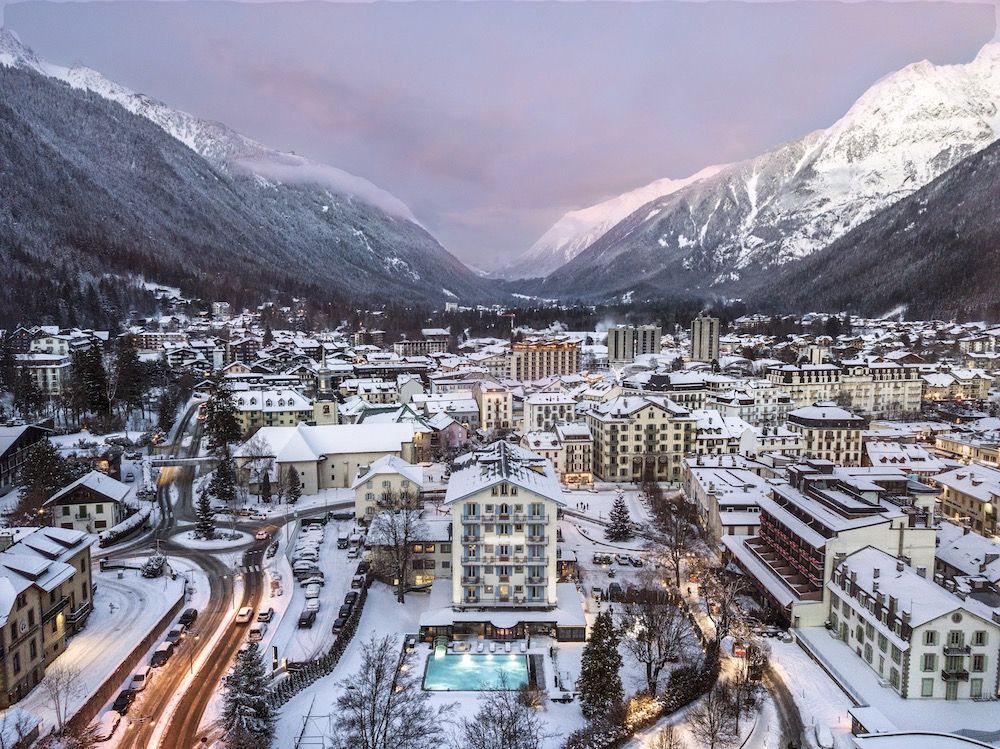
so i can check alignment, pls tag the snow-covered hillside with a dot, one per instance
(211, 140)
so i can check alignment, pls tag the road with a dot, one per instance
(792, 729)
(160, 701)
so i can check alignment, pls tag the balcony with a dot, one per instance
(81, 516)
(471, 560)
(955, 675)
(471, 580)
(535, 539)
(957, 649)
(471, 539)
(519, 517)
(536, 581)
(50, 614)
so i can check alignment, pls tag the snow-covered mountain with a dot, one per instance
(577, 230)
(112, 184)
(906, 130)
(212, 140)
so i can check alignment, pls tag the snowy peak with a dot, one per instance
(579, 229)
(14, 54)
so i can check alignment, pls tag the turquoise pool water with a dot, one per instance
(475, 673)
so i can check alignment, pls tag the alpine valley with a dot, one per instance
(107, 191)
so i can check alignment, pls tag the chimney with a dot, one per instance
(875, 573)
(875, 587)
(922, 571)
(900, 565)
(6, 539)
(905, 616)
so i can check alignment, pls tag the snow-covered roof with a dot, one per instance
(968, 553)
(567, 613)
(978, 482)
(304, 443)
(98, 482)
(924, 599)
(500, 463)
(390, 465)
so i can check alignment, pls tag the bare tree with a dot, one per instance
(506, 720)
(257, 456)
(61, 684)
(722, 592)
(654, 629)
(677, 522)
(383, 705)
(746, 676)
(668, 738)
(713, 721)
(15, 727)
(393, 531)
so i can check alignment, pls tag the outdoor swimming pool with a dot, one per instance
(475, 673)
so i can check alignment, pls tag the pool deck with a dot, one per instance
(534, 658)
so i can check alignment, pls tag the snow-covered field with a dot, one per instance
(125, 610)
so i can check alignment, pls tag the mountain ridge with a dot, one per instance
(761, 213)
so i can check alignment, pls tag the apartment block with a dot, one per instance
(537, 358)
(829, 432)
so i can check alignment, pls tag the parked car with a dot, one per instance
(342, 515)
(244, 615)
(266, 615)
(140, 678)
(338, 624)
(634, 560)
(257, 632)
(188, 617)
(312, 604)
(358, 581)
(362, 568)
(176, 634)
(615, 592)
(351, 598)
(123, 702)
(622, 559)
(129, 478)
(354, 553)
(316, 579)
(307, 619)
(345, 610)
(312, 591)
(161, 655)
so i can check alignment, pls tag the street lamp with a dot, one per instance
(195, 636)
(142, 719)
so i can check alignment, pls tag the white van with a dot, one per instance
(257, 632)
(312, 591)
(140, 678)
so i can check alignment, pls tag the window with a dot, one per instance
(929, 662)
(33, 649)
(894, 677)
(65, 510)
(446, 548)
(976, 688)
(429, 548)
(979, 662)
(897, 654)
(869, 630)
(979, 638)
(883, 642)
(927, 687)
(99, 509)
(868, 652)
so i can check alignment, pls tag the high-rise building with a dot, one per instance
(625, 342)
(704, 338)
(621, 344)
(536, 358)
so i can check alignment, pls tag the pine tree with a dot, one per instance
(620, 525)
(600, 684)
(294, 486)
(221, 424)
(167, 410)
(265, 487)
(247, 718)
(223, 483)
(44, 473)
(205, 527)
